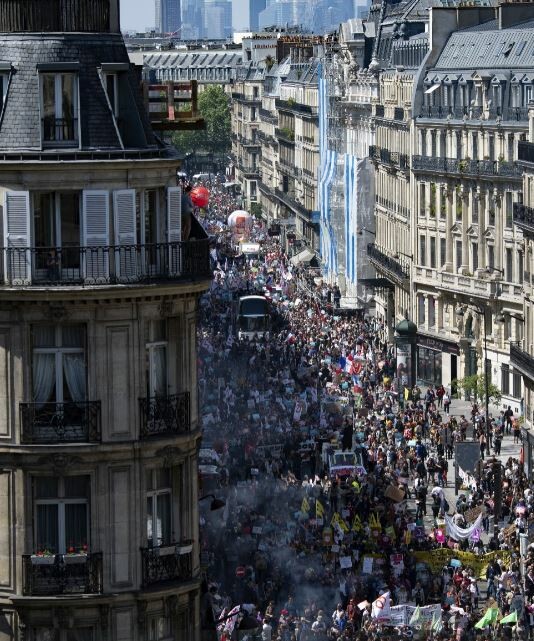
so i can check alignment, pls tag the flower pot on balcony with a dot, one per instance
(43, 560)
(166, 550)
(184, 548)
(74, 558)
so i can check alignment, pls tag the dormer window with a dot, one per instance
(59, 108)
(112, 90)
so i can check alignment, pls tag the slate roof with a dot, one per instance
(511, 48)
(20, 127)
(223, 58)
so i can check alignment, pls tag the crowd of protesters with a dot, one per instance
(307, 550)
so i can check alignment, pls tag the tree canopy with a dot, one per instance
(214, 106)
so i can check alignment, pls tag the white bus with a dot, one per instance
(253, 316)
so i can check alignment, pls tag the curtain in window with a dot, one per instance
(47, 528)
(46, 634)
(74, 370)
(160, 371)
(80, 634)
(149, 522)
(44, 378)
(163, 522)
(75, 525)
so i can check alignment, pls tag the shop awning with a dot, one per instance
(305, 256)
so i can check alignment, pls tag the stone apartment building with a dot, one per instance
(470, 115)
(98, 307)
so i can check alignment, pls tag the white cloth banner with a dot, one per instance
(400, 615)
(381, 608)
(460, 533)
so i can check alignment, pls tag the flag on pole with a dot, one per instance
(437, 623)
(490, 616)
(336, 519)
(305, 506)
(319, 510)
(357, 524)
(509, 618)
(381, 608)
(416, 617)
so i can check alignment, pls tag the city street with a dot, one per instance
(321, 469)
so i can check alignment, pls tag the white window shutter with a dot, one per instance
(96, 235)
(125, 227)
(174, 229)
(17, 236)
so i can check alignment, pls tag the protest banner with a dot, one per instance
(436, 559)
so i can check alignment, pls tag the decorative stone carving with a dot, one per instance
(56, 312)
(59, 462)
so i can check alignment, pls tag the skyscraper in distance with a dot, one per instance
(168, 16)
(245, 14)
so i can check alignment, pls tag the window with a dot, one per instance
(433, 258)
(157, 346)
(520, 264)
(474, 211)
(475, 145)
(61, 514)
(422, 250)
(421, 310)
(458, 246)
(431, 311)
(509, 270)
(491, 145)
(160, 628)
(112, 89)
(59, 107)
(422, 199)
(253, 190)
(4, 84)
(491, 256)
(505, 379)
(508, 209)
(57, 233)
(474, 256)
(159, 529)
(59, 364)
(516, 384)
(443, 251)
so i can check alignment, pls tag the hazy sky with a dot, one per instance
(137, 14)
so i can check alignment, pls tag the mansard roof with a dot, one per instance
(27, 54)
(493, 48)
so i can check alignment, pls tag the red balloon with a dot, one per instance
(200, 196)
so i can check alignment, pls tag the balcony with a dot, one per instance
(105, 265)
(524, 217)
(62, 574)
(513, 114)
(525, 151)
(489, 168)
(164, 104)
(52, 423)
(285, 134)
(165, 415)
(388, 157)
(246, 100)
(267, 116)
(292, 105)
(167, 563)
(522, 361)
(388, 265)
(249, 171)
(60, 130)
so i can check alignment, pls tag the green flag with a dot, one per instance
(437, 624)
(416, 617)
(509, 618)
(490, 616)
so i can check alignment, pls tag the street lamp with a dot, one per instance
(490, 270)
(498, 319)
(399, 254)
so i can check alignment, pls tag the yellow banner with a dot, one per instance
(440, 557)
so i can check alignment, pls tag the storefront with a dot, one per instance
(437, 360)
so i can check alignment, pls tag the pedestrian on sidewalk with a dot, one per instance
(440, 393)
(482, 443)
(446, 402)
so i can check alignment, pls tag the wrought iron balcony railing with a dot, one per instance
(386, 263)
(514, 114)
(62, 574)
(167, 563)
(524, 217)
(60, 130)
(521, 360)
(72, 422)
(162, 415)
(467, 166)
(105, 265)
(525, 151)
